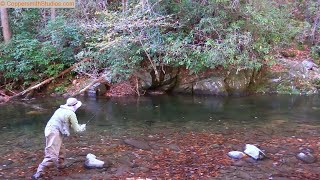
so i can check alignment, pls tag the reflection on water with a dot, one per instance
(254, 118)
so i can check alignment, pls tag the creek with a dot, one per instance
(281, 125)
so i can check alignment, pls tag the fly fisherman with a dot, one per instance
(58, 126)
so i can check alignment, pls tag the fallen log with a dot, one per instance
(48, 80)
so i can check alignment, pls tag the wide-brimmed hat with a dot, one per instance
(73, 102)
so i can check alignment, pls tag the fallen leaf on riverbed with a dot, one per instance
(196, 158)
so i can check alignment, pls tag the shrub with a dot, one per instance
(26, 59)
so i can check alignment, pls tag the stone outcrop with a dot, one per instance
(210, 86)
(294, 77)
(217, 82)
(209, 82)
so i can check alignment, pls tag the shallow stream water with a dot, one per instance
(269, 121)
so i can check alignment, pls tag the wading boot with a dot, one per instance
(37, 175)
(61, 166)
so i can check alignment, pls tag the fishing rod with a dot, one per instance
(93, 116)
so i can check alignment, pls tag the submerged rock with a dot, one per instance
(34, 112)
(236, 154)
(306, 157)
(174, 147)
(240, 163)
(5, 163)
(137, 144)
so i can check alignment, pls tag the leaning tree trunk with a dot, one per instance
(5, 25)
(53, 14)
(316, 24)
(124, 5)
(144, 4)
(48, 80)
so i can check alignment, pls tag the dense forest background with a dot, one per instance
(122, 37)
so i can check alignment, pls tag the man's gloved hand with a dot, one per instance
(83, 127)
(67, 134)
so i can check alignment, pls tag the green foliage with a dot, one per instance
(124, 60)
(121, 60)
(190, 33)
(65, 37)
(240, 37)
(202, 34)
(26, 21)
(316, 83)
(17, 58)
(315, 52)
(26, 58)
(122, 43)
(60, 89)
(287, 89)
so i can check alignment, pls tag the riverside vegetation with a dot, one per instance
(150, 44)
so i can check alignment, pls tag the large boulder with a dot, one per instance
(294, 77)
(217, 81)
(148, 80)
(206, 82)
(98, 89)
(183, 88)
(145, 79)
(168, 79)
(101, 84)
(210, 86)
(291, 77)
(238, 81)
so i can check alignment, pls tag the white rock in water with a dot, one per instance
(92, 162)
(306, 157)
(91, 156)
(309, 64)
(253, 152)
(236, 154)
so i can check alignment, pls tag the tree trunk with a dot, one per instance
(103, 4)
(124, 5)
(48, 80)
(5, 25)
(143, 4)
(53, 14)
(316, 24)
